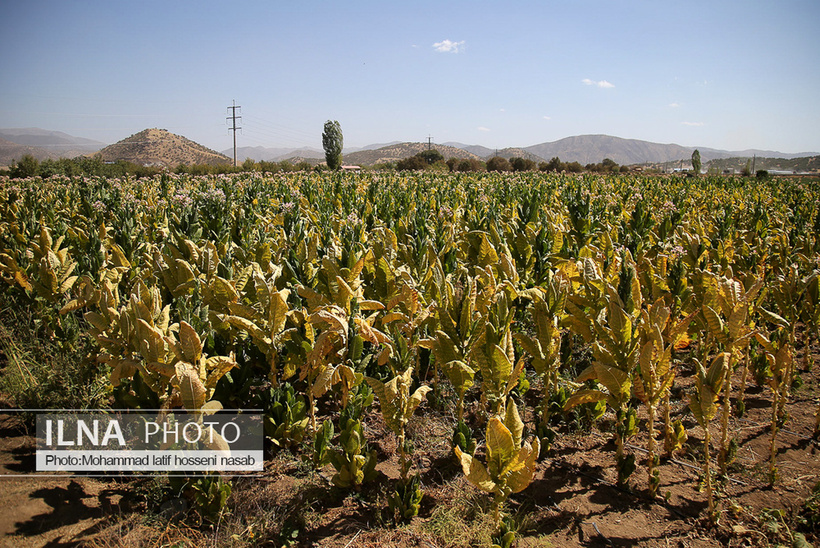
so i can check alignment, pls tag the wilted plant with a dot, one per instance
(616, 352)
(397, 407)
(548, 303)
(656, 371)
(731, 301)
(703, 403)
(778, 352)
(511, 462)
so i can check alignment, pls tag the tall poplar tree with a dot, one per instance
(333, 141)
(696, 162)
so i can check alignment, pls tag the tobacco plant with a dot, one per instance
(656, 372)
(510, 461)
(397, 407)
(616, 352)
(703, 404)
(731, 301)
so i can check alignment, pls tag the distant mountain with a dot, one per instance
(590, 149)
(44, 144)
(478, 150)
(159, 147)
(293, 155)
(400, 151)
(587, 149)
(256, 154)
(298, 154)
(47, 139)
(351, 150)
(711, 153)
(14, 152)
(510, 153)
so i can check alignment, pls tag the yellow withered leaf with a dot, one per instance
(513, 422)
(500, 445)
(190, 343)
(584, 396)
(216, 367)
(475, 472)
(524, 469)
(191, 389)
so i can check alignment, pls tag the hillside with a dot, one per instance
(163, 148)
(159, 147)
(50, 140)
(43, 144)
(478, 150)
(13, 152)
(393, 153)
(510, 153)
(588, 149)
(292, 155)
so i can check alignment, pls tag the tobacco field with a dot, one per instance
(442, 359)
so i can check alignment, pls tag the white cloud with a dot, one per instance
(546, 118)
(674, 105)
(448, 46)
(693, 124)
(482, 128)
(599, 83)
(502, 110)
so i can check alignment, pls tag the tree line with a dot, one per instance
(94, 166)
(434, 161)
(428, 160)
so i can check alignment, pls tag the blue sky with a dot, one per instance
(722, 74)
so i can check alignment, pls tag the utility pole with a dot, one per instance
(233, 117)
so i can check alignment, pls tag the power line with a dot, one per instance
(278, 128)
(276, 135)
(233, 118)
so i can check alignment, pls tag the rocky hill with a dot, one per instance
(393, 153)
(159, 147)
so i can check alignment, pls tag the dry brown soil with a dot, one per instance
(572, 502)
